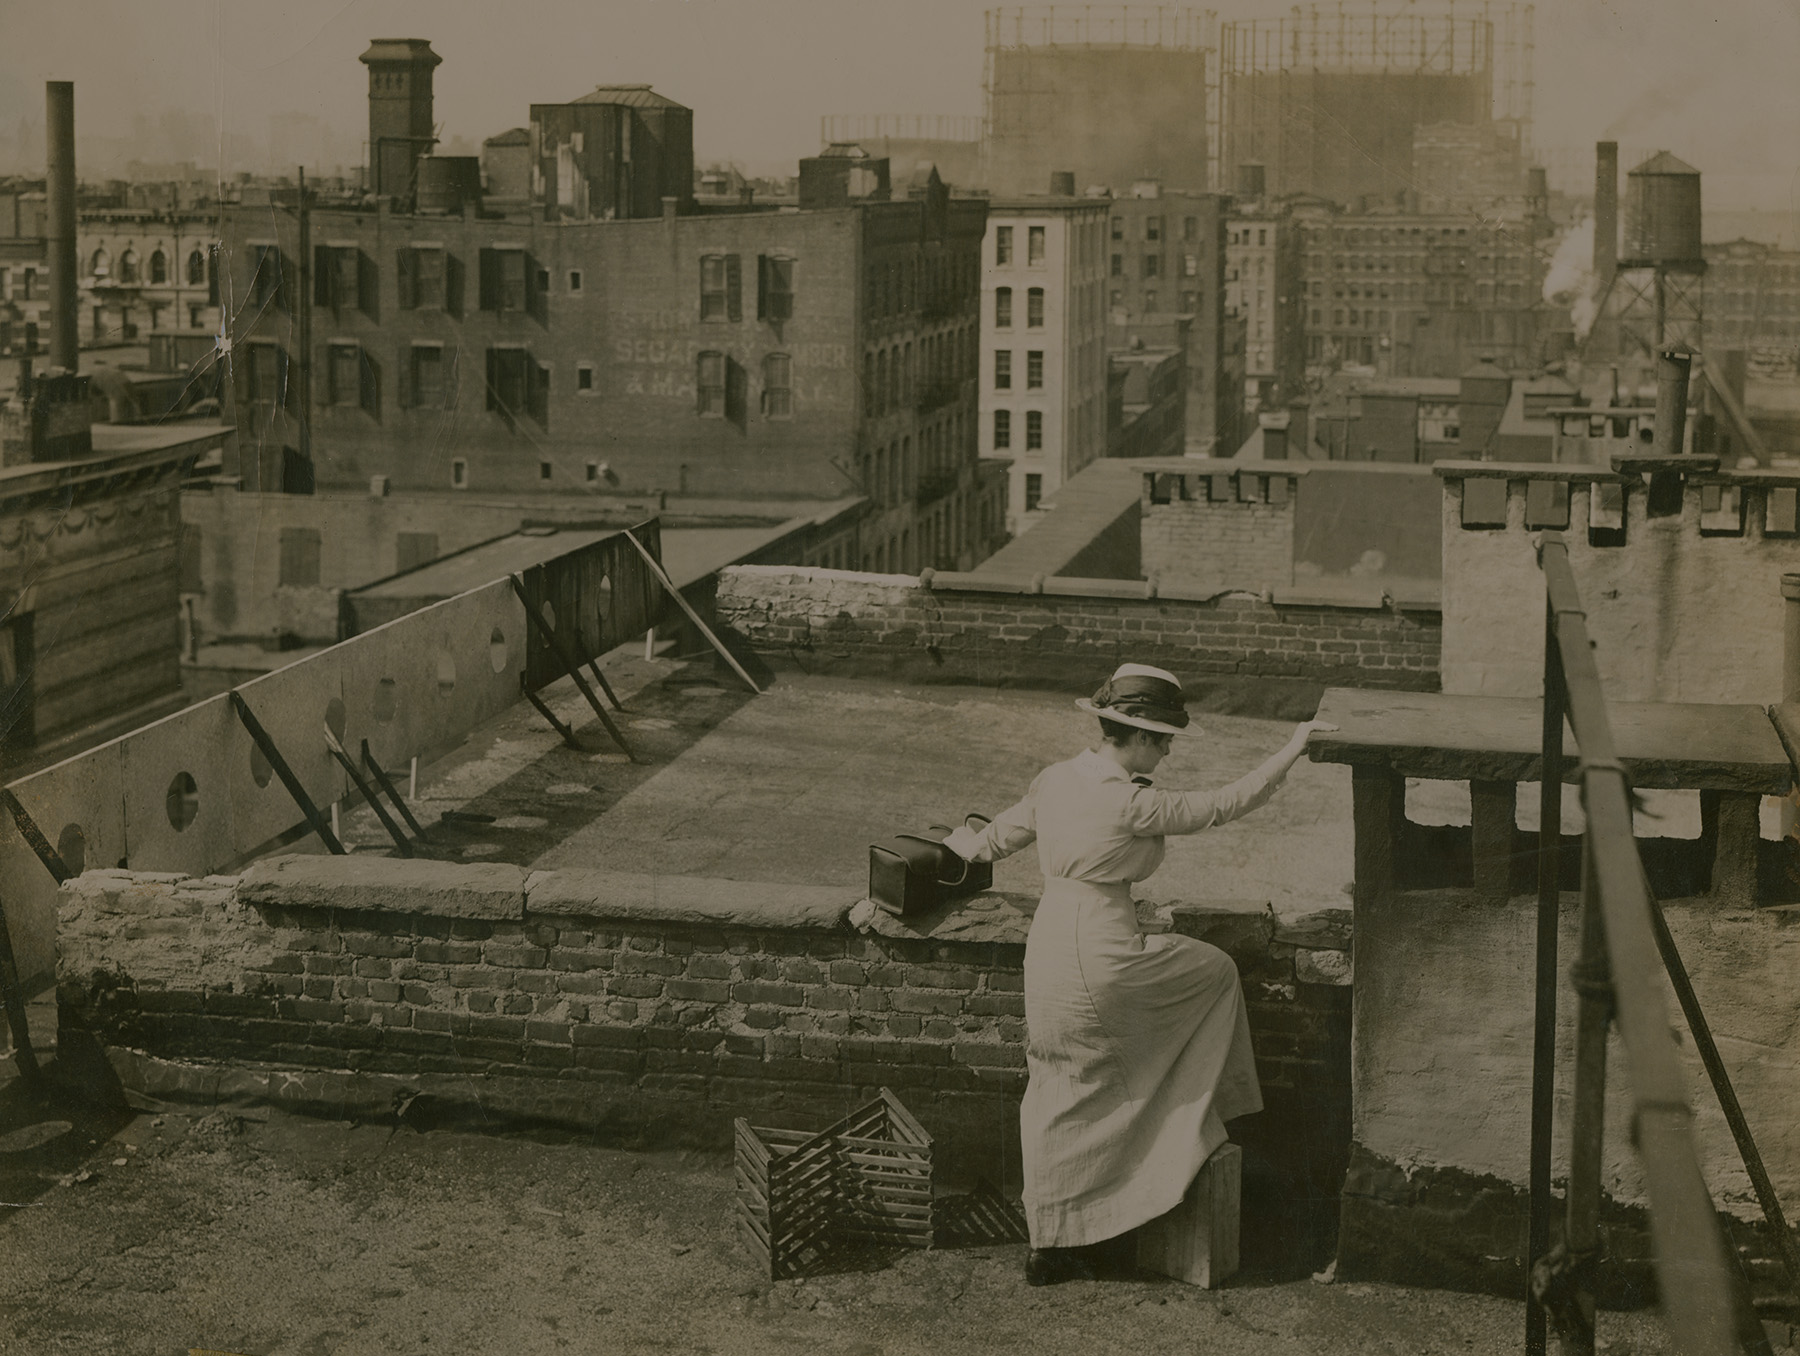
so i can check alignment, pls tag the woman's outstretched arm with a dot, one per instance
(1013, 828)
(1166, 812)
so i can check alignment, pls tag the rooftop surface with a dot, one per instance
(285, 1237)
(795, 784)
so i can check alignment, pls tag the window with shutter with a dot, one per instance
(734, 289)
(712, 287)
(370, 383)
(344, 374)
(267, 368)
(737, 391)
(774, 288)
(778, 386)
(428, 386)
(266, 287)
(300, 553)
(507, 392)
(709, 385)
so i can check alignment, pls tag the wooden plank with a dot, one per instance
(381, 780)
(1493, 813)
(12, 997)
(1377, 809)
(1451, 737)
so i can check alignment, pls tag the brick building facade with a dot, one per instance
(1043, 344)
(1263, 289)
(1423, 295)
(1166, 258)
(749, 354)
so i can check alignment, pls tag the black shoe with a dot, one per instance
(1053, 1266)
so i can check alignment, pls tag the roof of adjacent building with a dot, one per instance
(632, 96)
(517, 136)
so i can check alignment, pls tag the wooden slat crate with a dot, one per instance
(865, 1179)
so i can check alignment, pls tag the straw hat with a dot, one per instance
(1139, 695)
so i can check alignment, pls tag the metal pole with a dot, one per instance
(1593, 1014)
(1543, 1054)
(303, 305)
(1790, 679)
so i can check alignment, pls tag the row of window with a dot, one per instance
(892, 382)
(1189, 300)
(1003, 369)
(888, 473)
(1153, 228)
(428, 277)
(1151, 266)
(1003, 245)
(1003, 430)
(1003, 308)
(934, 284)
(1437, 262)
(100, 266)
(517, 385)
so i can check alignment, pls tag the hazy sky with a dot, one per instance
(1715, 83)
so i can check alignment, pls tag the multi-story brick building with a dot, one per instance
(1166, 258)
(1043, 343)
(1753, 301)
(139, 271)
(816, 353)
(1411, 294)
(1263, 289)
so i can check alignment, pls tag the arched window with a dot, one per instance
(128, 266)
(101, 263)
(159, 267)
(196, 269)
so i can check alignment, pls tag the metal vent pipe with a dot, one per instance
(59, 110)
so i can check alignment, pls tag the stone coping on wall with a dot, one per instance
(503, 893)
(1369, 598)
(1700, 471)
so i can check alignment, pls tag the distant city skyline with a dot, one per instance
(1712, 85)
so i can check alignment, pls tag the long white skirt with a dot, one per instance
(1138, 1050)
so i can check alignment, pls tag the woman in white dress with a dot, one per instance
(1138, 1046)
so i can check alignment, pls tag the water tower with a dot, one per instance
(1658, 288)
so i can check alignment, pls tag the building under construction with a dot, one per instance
(1111, 93)
(1330, 100)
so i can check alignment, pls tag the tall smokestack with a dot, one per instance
(1606, 210)
(59, 123)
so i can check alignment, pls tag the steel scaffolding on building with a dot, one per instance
(1092, 71)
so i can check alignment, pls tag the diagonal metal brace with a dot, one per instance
(543, 709)
(343, 760)
(381, 780)
(320, 825)
(571, 666)
(34, 837)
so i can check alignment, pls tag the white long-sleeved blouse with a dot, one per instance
(1093, 821)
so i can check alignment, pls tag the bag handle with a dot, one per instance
(920, 838)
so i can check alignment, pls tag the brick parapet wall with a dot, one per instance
(1246, 545)
(654, 1027)
(1062, 632)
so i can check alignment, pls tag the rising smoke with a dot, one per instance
(1571, 280)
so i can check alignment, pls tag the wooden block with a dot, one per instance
(1197, 1241)
(1492, 810)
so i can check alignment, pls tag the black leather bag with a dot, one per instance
(913, 873)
